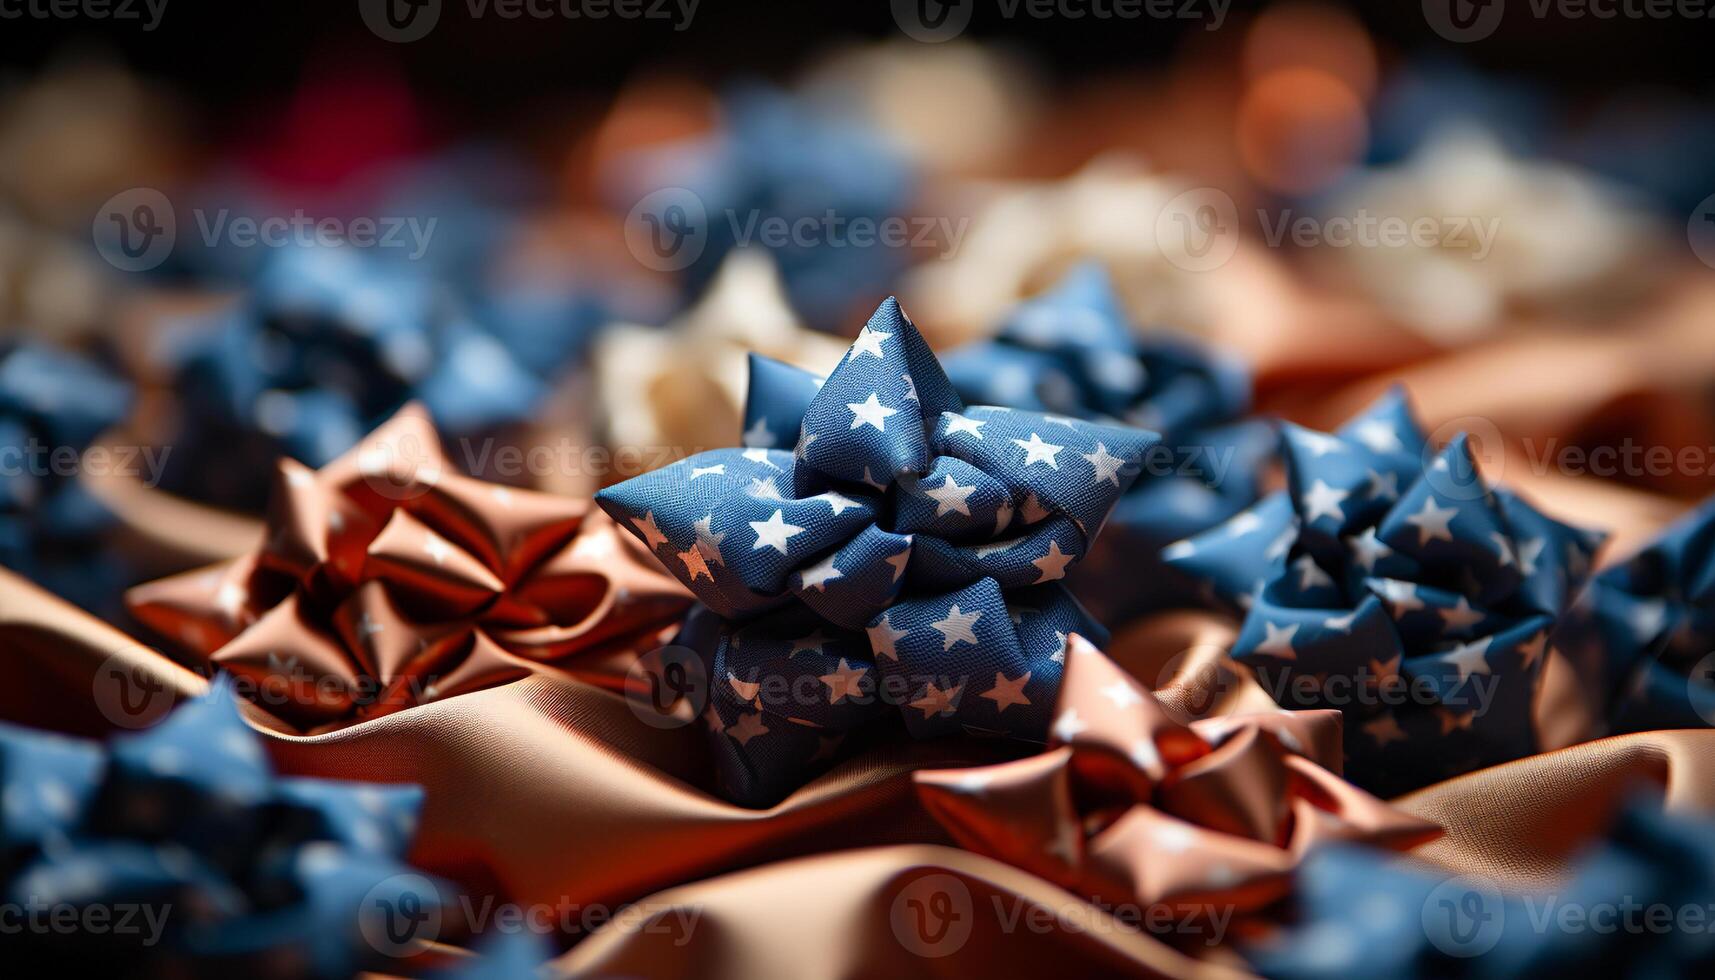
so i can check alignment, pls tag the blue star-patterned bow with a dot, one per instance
(939, 531)
(1637, 905)
(778, 159)
(1646, 627)
(52, 406)
(328, 345)
(186, 829)
(1071, 351)
(1389, 582)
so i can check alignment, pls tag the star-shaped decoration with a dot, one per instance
(774, 533)
(957, 423)
(1037, 451)
(950, 498)
(936, 701)
(1322, 501)
(957, 627)
(1104, 465)
(1052, 564)
(847, 681)
(1008, 691)
(883, 639)
(1433, 523)
(869, 342)
(748, 726)
(818, 576)
(1278, 641)
(871, 412)
(1469, 658)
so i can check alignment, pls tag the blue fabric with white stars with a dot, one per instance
(1645, 630)
(1072, 351)
(188, 818)
(328, 344)
(52, 530)
(1360, 912)
(1390, 582)
(780, 158)
(896, 550)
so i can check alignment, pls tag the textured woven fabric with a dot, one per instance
(1390, 582)
(899, 550)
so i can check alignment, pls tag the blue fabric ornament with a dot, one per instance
(895, 552)
(1390, 582)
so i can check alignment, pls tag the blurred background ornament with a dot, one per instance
(1389, 581)
(792, 176)
(680, 389)
(53, 406)
(1499, 234)
(1072, 351)
(200, 859)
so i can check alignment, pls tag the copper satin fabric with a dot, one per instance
(550, 789)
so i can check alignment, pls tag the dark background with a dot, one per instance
(230, 58)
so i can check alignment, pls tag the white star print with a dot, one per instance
(950, 497)
(900, 560)
(1469, 658)
(869, 342)
(1053, 563)
(956, 628)
(1310, 574)
(759, 435)
(1323, 501)
(818, 576)
(1503, 549)
(1319, 443)
(1342, 624)
(957, 423)
(774, 533)
(764, 488)
(1528, 553)
(883, 637)
(837, 501)
(1243, 524)
(1106, 466)
(1402, 596)
(719, 469)
(760, 456)
(1123, 695)
(1377, 435)
(1368, 549)
(708, 542)
(1277, 640)
(1069, 726)
(871, 412)
(1059, 656)
(1037, 451)
(1382, 486)
(910, 389)
(1432, 522)
(1461, 617)
(815, 643)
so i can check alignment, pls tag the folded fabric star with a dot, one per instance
(681, 388)
(1645, 629)
(939, 530)
(772, 176)
(222, 865)
(1636, 905)
(1072, 351)
(52, 406)
(1129, 805)
(387, 580)
(1394, 585)
(327, 344)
